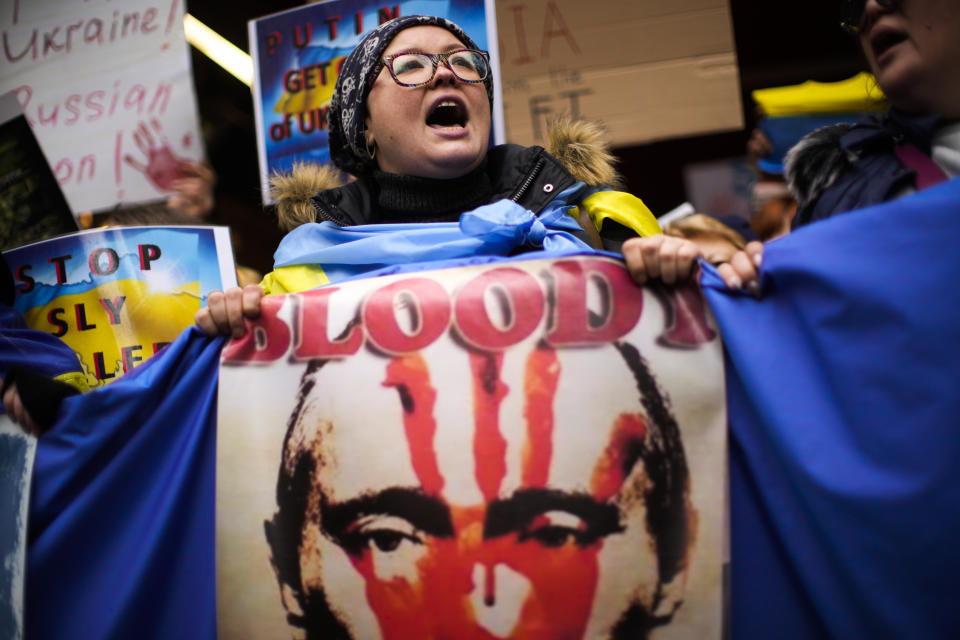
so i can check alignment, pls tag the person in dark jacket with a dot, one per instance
(914, 53)
(410, 120)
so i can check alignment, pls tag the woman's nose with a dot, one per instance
(873, 9)
(444, 74)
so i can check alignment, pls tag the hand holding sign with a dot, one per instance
(673, 260)
(226, 310)
(193, 194)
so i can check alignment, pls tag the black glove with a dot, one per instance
(41, 396)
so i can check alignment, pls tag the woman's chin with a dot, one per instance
(902, 79)
(906, 95)
(453, 163)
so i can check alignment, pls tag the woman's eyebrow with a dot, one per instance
(452, 47)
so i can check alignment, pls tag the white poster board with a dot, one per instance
(106, 87)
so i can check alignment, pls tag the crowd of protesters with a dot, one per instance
(410, 125)
(396, 176)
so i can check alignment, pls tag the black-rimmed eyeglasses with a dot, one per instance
(415, 69)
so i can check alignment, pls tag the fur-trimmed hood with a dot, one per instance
(814, 164)
(578, 145)
(846, 167)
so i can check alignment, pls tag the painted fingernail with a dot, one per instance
(753, 287)
(757, 259)
(735, 283)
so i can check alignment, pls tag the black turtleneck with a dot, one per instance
(403, 198)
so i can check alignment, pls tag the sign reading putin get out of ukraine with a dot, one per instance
(118, 296)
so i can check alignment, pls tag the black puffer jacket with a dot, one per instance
(527, 175)
(531, 176)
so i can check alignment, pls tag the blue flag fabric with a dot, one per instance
(843, 405)
(37, 350)
(844, 401)
(121, 531)
(491, 230)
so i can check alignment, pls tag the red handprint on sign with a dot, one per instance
(162, 167)
(191, 182)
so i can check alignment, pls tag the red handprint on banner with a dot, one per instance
(191, 182)
(162, 168)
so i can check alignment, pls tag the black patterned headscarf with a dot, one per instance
(348, 107)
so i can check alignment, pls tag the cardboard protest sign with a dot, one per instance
(525, 449)
(296, 57)
(32, 207)
(16, 467)
(118, 296)
(647, 70)
(107, 89)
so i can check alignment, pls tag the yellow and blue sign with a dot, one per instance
(118, 296)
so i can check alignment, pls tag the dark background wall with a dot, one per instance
(777, 43)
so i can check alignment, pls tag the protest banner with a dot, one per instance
(16, 467)
(296, 56)
(108, 91)
(842, 407)
(523, 449)
(118, 296)
(32, 207)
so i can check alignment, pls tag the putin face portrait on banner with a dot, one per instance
(534, 493)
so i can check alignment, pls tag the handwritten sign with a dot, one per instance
(297, 56)
(647, 70)
(118, 296)
(107, 89)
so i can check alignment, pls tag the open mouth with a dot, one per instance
(447, 113)
(886, 40)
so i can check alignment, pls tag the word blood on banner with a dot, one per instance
(559, 297)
